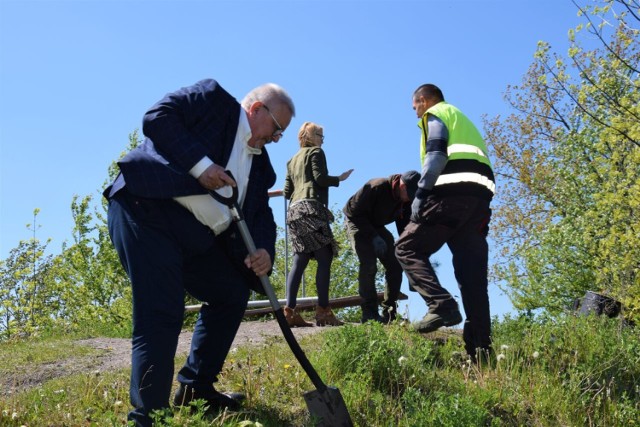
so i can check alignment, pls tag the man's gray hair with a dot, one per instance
(269, 94)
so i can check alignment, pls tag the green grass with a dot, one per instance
(18, 355)
(572, 371)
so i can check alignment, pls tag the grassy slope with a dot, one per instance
(571, 372)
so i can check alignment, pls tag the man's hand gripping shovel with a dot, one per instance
(325, 403)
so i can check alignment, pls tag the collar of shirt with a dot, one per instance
(245, 130)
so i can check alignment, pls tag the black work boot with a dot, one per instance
(214, 399)
(433, 321)
(370, 313)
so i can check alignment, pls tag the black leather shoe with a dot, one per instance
(215, 400)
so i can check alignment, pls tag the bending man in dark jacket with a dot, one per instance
(172, 237)
(379, 202)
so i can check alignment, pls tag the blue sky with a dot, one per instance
(77, 76)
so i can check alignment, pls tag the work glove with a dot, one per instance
(415, 209)
(379, 246)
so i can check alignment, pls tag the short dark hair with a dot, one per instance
(429, 91)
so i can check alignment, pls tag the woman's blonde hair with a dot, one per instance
(308, 133)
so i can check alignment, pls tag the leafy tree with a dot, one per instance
(95, 290)
(567, 162)
(82, 288)
(94, 287)
(28, 302)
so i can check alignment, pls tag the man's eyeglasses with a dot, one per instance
(321, 136)
(279, 129)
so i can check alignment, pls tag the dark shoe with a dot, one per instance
(215, 400)
(370, 312)
(434, 321)
(375, 317)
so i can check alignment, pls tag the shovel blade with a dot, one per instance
(328, 408)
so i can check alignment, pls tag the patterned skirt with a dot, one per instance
(309, 227)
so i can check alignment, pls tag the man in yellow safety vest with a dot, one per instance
(451, 206)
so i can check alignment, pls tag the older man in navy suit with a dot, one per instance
(173, 237)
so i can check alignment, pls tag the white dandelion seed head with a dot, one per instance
(536, 354)
(504, 347)
(501, 356)
(401, 360)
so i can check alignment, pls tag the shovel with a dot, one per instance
(325, 403)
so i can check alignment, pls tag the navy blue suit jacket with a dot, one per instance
(186, 125)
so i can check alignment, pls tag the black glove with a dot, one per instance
(379, 246)
(415, 209)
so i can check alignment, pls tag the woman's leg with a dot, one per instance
(300, 261)
(324, 256)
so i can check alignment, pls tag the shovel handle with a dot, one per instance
(279, 313)
(229, 201)
(236, 215)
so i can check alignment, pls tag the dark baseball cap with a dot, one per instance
(410, 179)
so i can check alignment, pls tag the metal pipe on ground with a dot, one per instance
(256, 308)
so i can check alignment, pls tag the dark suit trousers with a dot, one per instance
(462, 223)
(167, 252)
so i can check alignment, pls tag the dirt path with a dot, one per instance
(115, 353)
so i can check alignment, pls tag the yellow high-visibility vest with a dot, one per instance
(468, 161)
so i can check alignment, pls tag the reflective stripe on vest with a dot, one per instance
(462, 148)
(461, 177)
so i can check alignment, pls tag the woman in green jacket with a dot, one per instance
(308, 218)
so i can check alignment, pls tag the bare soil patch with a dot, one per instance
(115, 353)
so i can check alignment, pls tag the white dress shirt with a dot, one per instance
(205, 208)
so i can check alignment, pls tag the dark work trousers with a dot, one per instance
(166, 252)
(324, 256)
(462, 223)
(363, 246)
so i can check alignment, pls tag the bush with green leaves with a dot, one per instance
(567, 163)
